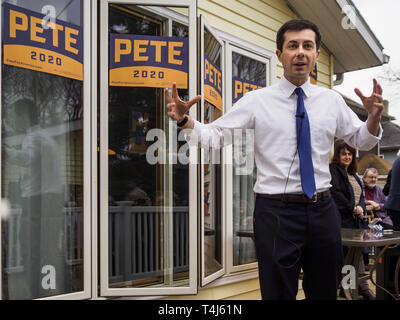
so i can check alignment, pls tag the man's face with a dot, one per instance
(299, 54)
(370, 179)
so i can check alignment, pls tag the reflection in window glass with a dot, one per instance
(42, 175)
(148, 203)
(252, 70)
(248, 69)
(180, 195)
(68, 11)
(212, 173)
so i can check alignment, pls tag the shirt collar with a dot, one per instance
(33, 128)
(369, 188)
(288, 88)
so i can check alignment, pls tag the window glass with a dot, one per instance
(246, 71)
(42, 149)
(180, 196)
(212, 204)
(148, 202)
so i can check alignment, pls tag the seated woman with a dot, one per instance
(347, 192)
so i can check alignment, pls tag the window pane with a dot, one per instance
(180, 196)
(212, 164)
(148, 203)
(252, 71)
(42, 160)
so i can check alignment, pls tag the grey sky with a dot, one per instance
(383, 18)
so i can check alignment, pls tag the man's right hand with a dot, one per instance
(359, 212)
(177, 108)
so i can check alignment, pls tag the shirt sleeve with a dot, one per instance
(221, 132)
(354, 131)
(24, 156)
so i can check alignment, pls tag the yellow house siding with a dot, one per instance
(258, 21)
(244, 290)
(254, 20)
(237, 24)
(324, 68)
(270, 19)
(279, 5)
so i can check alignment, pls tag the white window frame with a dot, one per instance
(1, 143)
(105, 290)
(95, 152)
(207, 279)
(234, 44)
(89, 187)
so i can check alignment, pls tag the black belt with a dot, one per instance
(295, 198)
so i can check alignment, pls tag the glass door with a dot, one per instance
(247, 71)
(45, 138)
(147, 198)
(212, 189)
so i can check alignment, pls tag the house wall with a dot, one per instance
(257, 21)
(390, 155)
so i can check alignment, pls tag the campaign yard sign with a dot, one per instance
(31, 42)
(241, 86)
(148, 61)
(212, 83)
(314, 75)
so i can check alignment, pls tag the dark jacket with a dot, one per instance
(386, 187)
(343, 195)
(380, 199)
(393, 201)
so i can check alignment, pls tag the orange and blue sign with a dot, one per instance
(212, 83)
(27, 43)
(314, 75)
(240, 87)
(148, 61)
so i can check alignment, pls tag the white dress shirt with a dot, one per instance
(271, 113)
(40, 163)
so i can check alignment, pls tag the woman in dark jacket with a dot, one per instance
(347, 188)
(347, 192)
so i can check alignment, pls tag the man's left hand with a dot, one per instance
(375, 205)
(374, 107)
(374, 103)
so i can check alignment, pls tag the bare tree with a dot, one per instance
(391, 77)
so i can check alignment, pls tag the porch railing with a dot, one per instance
(136, 242)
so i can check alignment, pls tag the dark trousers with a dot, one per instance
(42, 244)
(395, 216)
(292, 236)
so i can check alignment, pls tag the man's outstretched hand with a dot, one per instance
(177, 108)
(374, 106)
(374, 103)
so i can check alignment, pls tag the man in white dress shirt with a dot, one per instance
(292, 229)
(41, 234)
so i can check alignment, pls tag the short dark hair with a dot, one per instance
(25, 106)
(297, 25)
(339, 146)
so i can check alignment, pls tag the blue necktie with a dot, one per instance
(304, 146)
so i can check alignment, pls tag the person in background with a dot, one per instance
(347, 188)
(42, 224)
(347, 192)
(392, 204)
(386, 187)
(374, 198)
